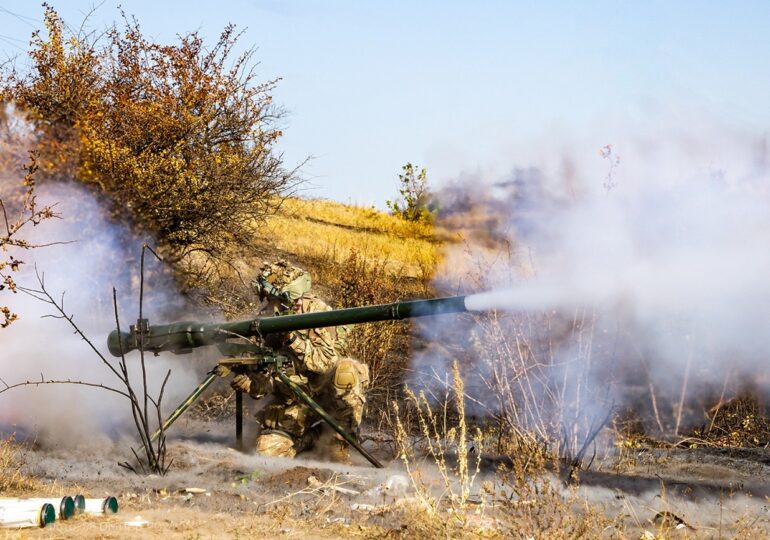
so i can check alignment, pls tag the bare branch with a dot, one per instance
(6, 387)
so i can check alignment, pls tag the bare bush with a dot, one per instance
(19, 210)
(520, 499)
(542, 371)
(145, 408)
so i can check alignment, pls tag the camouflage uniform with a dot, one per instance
(336, 382)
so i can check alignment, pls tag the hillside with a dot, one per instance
(321, 232)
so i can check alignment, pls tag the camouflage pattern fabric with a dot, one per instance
(314, 349)
(337, 383)
(280, 273)
(288, 417)
(345, 399)
(276, 445)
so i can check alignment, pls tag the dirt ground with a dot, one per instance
(214, 491)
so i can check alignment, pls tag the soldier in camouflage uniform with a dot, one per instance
(318, 365)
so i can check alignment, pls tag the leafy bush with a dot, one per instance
(415, 202)
(178, 137)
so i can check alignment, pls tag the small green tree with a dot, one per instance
(415, 202)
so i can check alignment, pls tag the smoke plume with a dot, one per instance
(647, 259)
(92, 256)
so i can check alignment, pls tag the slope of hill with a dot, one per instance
(321, 232)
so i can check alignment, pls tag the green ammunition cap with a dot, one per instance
(110, 505)
(80, 503)
(47, 515)
(66, 507)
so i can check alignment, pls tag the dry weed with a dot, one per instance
(521, 499)
(740, 422)
(12, 480)
(217, 406)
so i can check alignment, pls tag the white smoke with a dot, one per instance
(95, 255)
(667, 249)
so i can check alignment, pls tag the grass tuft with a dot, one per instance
(12, 480)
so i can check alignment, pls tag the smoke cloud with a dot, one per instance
(95, 255)
(652, 252)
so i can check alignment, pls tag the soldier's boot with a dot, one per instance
(276, 444)
(339, 451)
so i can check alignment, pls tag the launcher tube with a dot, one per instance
(108, 505)
(19, 515)
(184, 336)
(64, 506)
(356, 315)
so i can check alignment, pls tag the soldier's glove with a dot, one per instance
(277, 341)
(261, 384)
(255, 384)
(241, 382)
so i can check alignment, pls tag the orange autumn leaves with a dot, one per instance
(178, 138)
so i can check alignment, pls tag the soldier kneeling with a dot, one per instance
(317, 365)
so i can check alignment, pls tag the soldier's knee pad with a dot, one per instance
(276, 444)
(350, 375)
(345, 376)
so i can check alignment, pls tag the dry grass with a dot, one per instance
(329, 231)
(521, 499)
(740, 422)
(12, 480)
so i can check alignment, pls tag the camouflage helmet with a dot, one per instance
(286, 279)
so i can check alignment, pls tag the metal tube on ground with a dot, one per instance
(108, 505)
(64, 506)
(80, 503)
(15, 516)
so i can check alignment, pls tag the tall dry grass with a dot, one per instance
(12, 480)
(457, 494)
(542, 373)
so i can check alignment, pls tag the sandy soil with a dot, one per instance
(715, 493)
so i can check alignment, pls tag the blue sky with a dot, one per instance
(468, 86)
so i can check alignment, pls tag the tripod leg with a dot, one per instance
(239, 420)
(210, 378)
(305, 398)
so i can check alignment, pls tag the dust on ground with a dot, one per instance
(214, 491)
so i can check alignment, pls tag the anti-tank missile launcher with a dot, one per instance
(255, 344)
(183, 337)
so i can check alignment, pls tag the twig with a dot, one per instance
(684, 383)
(154, 455)
(7, 387)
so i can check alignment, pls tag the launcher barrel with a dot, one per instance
(182, 337)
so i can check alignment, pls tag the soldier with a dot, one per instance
(318, 365)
